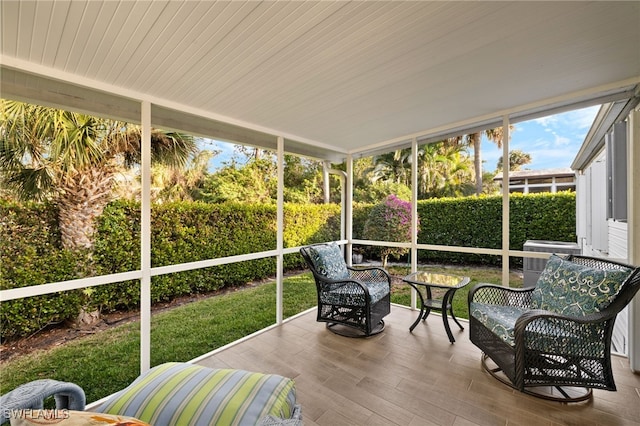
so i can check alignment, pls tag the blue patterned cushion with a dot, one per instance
(351, 294)
(328, 261)
(567, 288)
(500, 319)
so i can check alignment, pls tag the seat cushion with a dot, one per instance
(567, 288)
(187, 394)
(328, 261)
(552, 338)
(500, 320)
(351, 294)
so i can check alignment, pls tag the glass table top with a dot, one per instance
(436, 279)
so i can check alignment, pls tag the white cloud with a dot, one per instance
(547, 121)
(583, 118)
(551, 141)
(577, 119)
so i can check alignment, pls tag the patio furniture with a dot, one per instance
(352, 301)
(31, 396)
(187, 394)
(554, 340)
(430, 280)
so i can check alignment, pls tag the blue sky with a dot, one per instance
(552, 141)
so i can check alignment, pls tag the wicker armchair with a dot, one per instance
(554, 340)
(352, 301)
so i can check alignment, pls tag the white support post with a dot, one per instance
(326, 187)
(145, 240)
(280, 233)
(505, 201)
(348, 209)
(633, 232)
(414, 216)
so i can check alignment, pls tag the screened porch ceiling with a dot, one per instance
(332, 78)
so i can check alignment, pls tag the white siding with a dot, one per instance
(619, 338)
(599, 228)
(601, 237)
(617, 240)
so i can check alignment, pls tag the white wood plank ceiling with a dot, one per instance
(338, 76)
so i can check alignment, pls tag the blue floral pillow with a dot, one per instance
(567, 288)
(328, 261)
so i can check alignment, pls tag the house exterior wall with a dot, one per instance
(633, 232)
(592, 228)
(602, 229)
(534, 181)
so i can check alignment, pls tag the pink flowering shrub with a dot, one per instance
(389, 220)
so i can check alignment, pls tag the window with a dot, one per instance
(616, 147)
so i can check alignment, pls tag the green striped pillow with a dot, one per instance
(187, 394)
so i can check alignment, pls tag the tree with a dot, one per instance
(73, 159)
(443, 169)
(170, 183)
(253, 183)
(494, 135)
(303, 181)
(374, 193)
(517, 159)
(392, 167)
(254, 180)
(389, 220)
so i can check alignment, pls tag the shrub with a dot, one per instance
(31, 253)
(389, 220)
(477, 222)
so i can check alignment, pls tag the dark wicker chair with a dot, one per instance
(352, 301)
(554, 340)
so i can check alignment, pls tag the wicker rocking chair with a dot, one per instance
(352, 301)
(554, 340)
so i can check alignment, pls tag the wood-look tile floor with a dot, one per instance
(419, 378)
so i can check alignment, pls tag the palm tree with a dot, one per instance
(171, 183)
(392, 167)
(517, 159)
(443, 170)
(474, 139)
(72, 159)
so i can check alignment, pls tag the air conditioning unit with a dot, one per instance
(533, 266)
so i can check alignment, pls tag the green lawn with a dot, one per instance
(107, 361)
(401, 294)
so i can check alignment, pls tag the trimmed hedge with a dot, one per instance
(477, 222)
(192, 231)
(30, 255)
(181, 232)
(189, 232)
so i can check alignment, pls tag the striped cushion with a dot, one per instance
(186, 394)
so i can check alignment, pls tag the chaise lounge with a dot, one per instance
(168, 394)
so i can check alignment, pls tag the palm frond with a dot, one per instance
(170, 148)
(30, 184)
